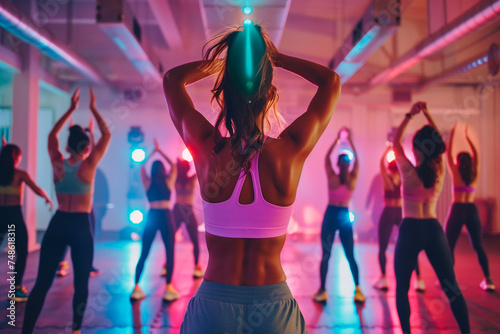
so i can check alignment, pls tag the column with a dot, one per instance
(25, 105)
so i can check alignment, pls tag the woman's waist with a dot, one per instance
(463, 197)
(10, 200)
(419, 210)
(184, 199)
(392, 202)
(74, 203)
(241, 272)
(162, 204)
(241, 261)
(229, 293)
(341, 204)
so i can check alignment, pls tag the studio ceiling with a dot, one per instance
(174, 31)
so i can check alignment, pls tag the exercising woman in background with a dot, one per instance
(463, 210)
(63, 264)
(391, 216)
(70, 226)
(420, 229)
(183, 209)
(340, 189)
(12, 223)
(158, 193)
(248, 181)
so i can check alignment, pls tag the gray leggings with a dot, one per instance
(230, 309)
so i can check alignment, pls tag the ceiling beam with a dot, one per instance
(24, 30)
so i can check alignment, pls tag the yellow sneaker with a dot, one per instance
(381, 284)
(487, 285)
(359, 297)
(170, 294)
(137, 294)
(420, 285)
(321, 296)
(63, 269)
(198, 272)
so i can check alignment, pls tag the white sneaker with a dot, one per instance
(137, 294)
(171, 293)
(420, 285)
(321, 296)
(381, 284)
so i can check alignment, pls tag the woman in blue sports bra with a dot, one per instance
(248, 183)
(340, 189)
(158, 190)
(70, 226)
(463, 211)
(12, 223)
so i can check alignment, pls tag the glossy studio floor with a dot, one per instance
(109, 309)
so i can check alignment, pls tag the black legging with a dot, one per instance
(466, 213)
(337, 218)
(65, 229)
(184, 213)
(391, 216)
(92, 229)
(11, 218)
(426, 234)
(158, 219)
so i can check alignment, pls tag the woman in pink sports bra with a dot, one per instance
(340, 189)
(463, 211)
(420, 230)
(248, 184)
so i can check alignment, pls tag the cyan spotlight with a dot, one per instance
(136, 216)
(247, 22)
(138, 155)
(349, 153)
(247, 10)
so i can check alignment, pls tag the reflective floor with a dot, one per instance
(109, 309)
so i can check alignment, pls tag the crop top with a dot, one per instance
(464, 189)
(10, 190)
(340, 194)
(259, 219)
(395, 193)
(158, 192)
(70, 184)
(422, 194)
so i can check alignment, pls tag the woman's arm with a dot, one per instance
(427, 115)
(306, 130)
(383, 170)
(172, 176)
(328, 162)
(102, 144)
(475, 155)
(53, 143)
(449, 152)
(90, 131)
(403, 163)
(39, 191)
(192, 126)
(146, 180)
(355, 168)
